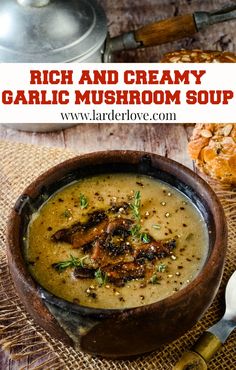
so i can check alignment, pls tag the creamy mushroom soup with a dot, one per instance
(115, 241)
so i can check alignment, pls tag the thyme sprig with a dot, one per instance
(67, 213)
(136, 229)
(72, 262)
(101, 277)
(154, 279)
(83, 201)
(162, 267)
(135, 208)
(145, 238)
(136, 205)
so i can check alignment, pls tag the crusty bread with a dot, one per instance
(199, 56)
(213, 147)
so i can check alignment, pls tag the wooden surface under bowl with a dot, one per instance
(126, 332)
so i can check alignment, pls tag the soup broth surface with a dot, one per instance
(116, 241)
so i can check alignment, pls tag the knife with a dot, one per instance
(168, 30)
(212, 340)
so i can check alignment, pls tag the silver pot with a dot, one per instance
(51, 31)
(76, 31)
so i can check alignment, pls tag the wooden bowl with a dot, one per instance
(119, 333)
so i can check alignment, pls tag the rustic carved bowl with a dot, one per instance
(119, 333)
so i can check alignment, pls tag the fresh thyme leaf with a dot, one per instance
(135, 206)
(83, 201)
(101, 277)
(67, 213)
(154, 279)
(162, 268)
(72, 262)
(145, 238)
(135, 231)
(157, 227)
(61, 266)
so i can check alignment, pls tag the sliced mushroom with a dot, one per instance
(84, 273)
(67, 235)
(84, 237)
(119, 274)
(155, 249)
(119, 226)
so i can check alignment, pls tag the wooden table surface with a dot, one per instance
(167, 140)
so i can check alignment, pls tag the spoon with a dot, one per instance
(211, 341)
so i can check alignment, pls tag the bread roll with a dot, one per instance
(212, 145)
(198, 56)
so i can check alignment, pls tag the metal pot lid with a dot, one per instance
(50, 30)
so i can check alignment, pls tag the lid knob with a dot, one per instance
(33, 3)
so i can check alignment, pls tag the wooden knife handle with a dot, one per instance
(166, 31)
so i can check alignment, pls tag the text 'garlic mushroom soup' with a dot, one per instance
(116, 241)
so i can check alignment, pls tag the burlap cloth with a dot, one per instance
(19, 165)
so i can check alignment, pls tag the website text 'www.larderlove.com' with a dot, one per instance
(114, 116)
